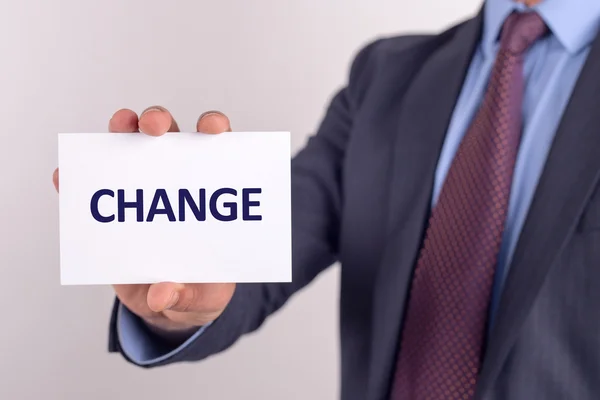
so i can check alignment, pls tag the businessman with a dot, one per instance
(456, 179)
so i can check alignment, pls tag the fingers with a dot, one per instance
(123, 121)
(156, 121)
(213, 122)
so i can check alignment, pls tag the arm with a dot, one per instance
(316, 212)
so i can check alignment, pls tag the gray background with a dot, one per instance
(65, 66)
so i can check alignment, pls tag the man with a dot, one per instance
(455, 178)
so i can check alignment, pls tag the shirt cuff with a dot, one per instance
(138, 345)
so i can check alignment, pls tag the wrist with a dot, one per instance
(169, 334)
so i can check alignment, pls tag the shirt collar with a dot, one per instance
(574, 22)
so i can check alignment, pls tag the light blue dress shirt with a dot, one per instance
(552, 66)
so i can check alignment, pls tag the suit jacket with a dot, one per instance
(361, 191)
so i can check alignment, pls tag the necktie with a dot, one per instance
(443, 334)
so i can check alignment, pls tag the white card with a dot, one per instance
(184, 207)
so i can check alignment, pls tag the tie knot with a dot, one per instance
(521, 30)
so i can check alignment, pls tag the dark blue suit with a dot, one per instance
(362, 190)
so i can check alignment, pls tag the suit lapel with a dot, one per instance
(570, 175)
(423, 115)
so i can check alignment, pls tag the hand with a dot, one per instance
(170, 306)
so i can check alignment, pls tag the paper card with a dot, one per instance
(184, 207)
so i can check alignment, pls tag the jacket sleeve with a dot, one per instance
(317, 203)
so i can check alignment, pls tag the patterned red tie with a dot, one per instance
(443, 334)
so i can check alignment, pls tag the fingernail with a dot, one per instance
(208, 113)
(173, 299)
(152, 109)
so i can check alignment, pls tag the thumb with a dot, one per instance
(191, 297)
(163, 296)
(55, 179)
